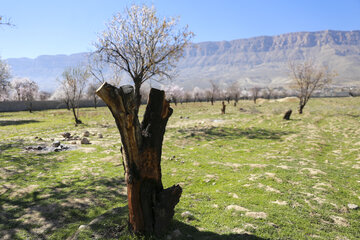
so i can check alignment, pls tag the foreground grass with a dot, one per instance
(245, 172)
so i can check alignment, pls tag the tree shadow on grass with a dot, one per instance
(114, 225)
(213, 133)
(16, 122)
(36, 211)
(190, 232)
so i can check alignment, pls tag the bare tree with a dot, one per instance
(25, 90)
(17, 85)
(234, 92)
(44, 95)
(214, 91)
(143, 45)
(270, 93)
(73, 83)
(174, 92)
(91, 93)
(102, 71)
(4, 76)
(198, 94)
(255, 93)
(306, 78)
(30, 93)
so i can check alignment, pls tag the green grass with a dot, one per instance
(296, 176)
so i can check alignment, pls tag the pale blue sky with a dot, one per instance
(71, 26)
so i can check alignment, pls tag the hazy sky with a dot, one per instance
(71, 26)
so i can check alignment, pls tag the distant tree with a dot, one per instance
(143, 45)
(25, 90)
(31, 90)
(4, 76)
(255, 93)
(214, 91)
(44, 95)
(73, 83)
(234, 92)
(270, 92)
(91, 93)
(306, 78)
(17, 85)
(187, 96)
(198, 94)
(174, 93)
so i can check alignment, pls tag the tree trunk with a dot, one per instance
(223, 108)
(151, 207)
(30, 106)
(287, 115)
(301, 107)
(137, 96)
(77, 121)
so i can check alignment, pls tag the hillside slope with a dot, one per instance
(254, 61)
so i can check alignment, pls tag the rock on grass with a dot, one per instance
(352, 206)
(237, 208)
(256, 215)
(85, 141)
(187, 215)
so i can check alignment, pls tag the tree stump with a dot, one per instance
(151, 207)
(223, 109)
(287, 115)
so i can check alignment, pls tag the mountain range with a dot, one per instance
(258, 61)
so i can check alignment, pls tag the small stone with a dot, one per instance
(234, 195)
(85, 141)
(236, 208)
(340, 221)
(273, 225)
(86, 134)
(188, 215)
(66, 135)
(100, 135)
(256, 215)
(58, 149)
(39, 148)
(52, 139)
(73, 142)
(82, 227)
(352, 206)
(56, 144)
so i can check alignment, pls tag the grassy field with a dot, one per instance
(245, 174)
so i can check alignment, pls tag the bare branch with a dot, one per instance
(142, 44)
(307, 78)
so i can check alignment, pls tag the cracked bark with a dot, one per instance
(151, 207)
